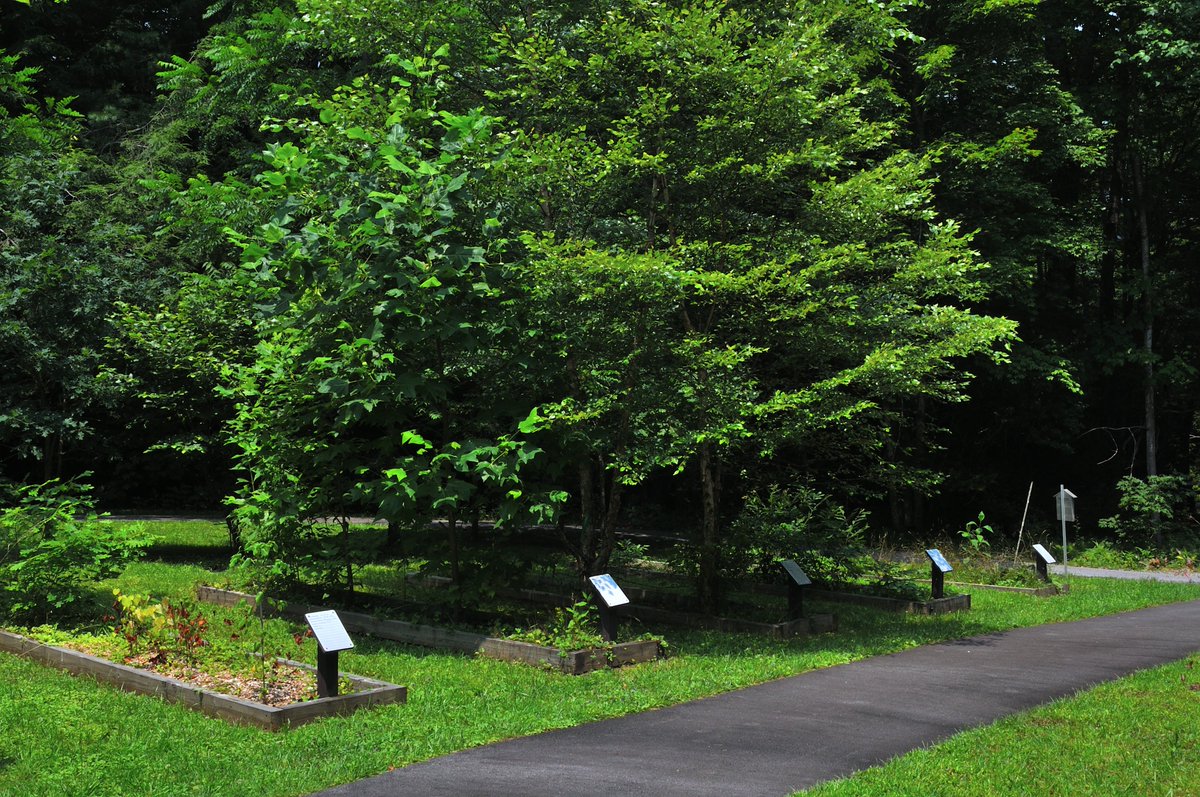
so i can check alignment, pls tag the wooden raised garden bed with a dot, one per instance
(813, 624)
(804, 626)
(367, 691)
(951, 603)
(571, 662)
(1047, 591)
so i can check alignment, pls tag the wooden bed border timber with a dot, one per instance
(226, 707)
(572, 662)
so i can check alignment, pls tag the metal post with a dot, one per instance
(795, 601)
(1062, 512)
(327, 672)
(608, 621)
(937, 581)
(1042, 572)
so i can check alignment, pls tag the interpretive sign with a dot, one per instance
(938, 568)
(1043, 558)
(331, 637)
(798, 576)
(610, 596)
(608, 590)
(938, 560)
(797, 580)
(329, 631)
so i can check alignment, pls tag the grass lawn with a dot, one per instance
(1139, 735)
(69, 736)
(188, 541)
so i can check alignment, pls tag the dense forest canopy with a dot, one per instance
(606, 262)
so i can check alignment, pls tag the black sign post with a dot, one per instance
(608, 597)
(797, 580)
(1042, 558)
(938, 568)
(331, 637)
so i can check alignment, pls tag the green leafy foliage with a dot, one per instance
(798, 523)
(717, 245)
(570, 628)
(740, 258)
(1153, 511)
(375, 270)
(165, 630)
(976, 533)
(52, 547)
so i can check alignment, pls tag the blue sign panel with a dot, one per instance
(936, 557)
(610, 593)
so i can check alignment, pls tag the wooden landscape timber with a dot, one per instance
(571, 662)
(640, 608)
(952, 603)
(367, 693)
(1048, 591)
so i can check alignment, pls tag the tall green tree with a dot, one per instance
(732, 198)
(1016, 158)
(374, 262)
(63, 264)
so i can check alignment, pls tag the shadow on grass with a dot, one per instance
(207, 556)
(370, 646)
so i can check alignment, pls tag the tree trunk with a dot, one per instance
(1148, 321)
(52, 456)
(600, 495)
(1147, 337)
(709, 583)
(234, 527)
(455, 567)
(348, 554)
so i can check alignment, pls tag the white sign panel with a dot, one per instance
(1046, 556)
(328, 629)
(609, 591)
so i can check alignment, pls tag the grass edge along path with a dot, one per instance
(68, 736)
(1136, 735)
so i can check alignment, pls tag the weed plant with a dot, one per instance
(570, 628)
(1107, 555)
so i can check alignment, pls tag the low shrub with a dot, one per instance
(52, 547)
(1158, 511)
(571, 628)
(798, 523)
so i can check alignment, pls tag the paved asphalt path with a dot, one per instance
(1174, 576)
(792, 733)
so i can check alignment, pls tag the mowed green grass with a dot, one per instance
(1136, 736)
(66, 736)
(184, 541)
